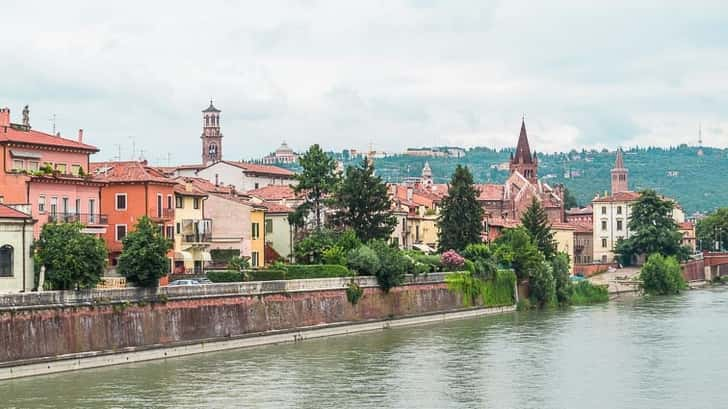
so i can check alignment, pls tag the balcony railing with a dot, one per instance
(164, 214)
(197, 238)
(196, 230)
(84, 218)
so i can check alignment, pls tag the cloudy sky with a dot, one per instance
(393, 73)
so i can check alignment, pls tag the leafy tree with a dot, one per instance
(393, 265)
(461, 216)
(73, 260)
(569, 200)
(713, 230)
(536, 222)
(516, 248)
(484, 259)
(317, 179)
(310, 249)
(143, 260)
(542, 285)
(364, 261)
(653, 229)
(560, 271)
(662, 275)
(363, 204)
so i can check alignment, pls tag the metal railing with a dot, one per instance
(83, 218)
(197, 238)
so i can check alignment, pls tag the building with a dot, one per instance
(16, 260)
(211, 135)
(193, 232)
(284, 154)
(689, 238)
(278, 233)
(279, 194)
(579, 215)
(565, 240)
(583, 243)
(132, 190)
(244, 176)
(49, 173)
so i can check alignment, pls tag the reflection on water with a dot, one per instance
(634, 353)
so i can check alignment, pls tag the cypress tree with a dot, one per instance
(461, 217)
(536, 222)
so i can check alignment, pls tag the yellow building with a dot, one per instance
(564, 237)
(257, 236)
(193, 233)
(422, 228)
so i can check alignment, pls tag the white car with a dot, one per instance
(184, 282)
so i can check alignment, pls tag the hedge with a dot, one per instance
(223, 255)
(296, 272)
(224, 276)
(267, 275)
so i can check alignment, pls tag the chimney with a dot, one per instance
(4, 116)
(80, 135)
(410, 192)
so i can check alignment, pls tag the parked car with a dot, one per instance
(204, 280)
(183, 282)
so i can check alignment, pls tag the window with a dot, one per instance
(178, 202)
(120, 231)
(78, 206)
(64, 201)
(75, 169)
(255, 259)
(604, 225)
(619, 209)
(61, 167)
(604, 243)
(169, 201)
(41, 204)
(619, 225)
(196, 203)
(159, 205)
(256, 231)
(6, 261)
(18, 164)
(121, 201)
(33, 165)
(256, 185)
(604, 210)
(54, 206)
(170, 232)
(91, 210)
(268, 226)
(178, 228)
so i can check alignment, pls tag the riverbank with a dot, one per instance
(95, 328)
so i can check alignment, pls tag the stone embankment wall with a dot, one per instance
(46, 326)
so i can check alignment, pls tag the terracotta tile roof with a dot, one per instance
(241, 200)
(505, 223)
(583, 227)
(563, 226)
(276, 208)
(260, 169)
(183, 188)
(7, 212)
(618, 197)
(580, 211)
(131, 171)
(207, 186)
(273, 192)
(490, 191)
(10, 134)
(685, 226)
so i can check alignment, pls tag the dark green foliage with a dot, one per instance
(536, 222)
(542, 286)
(653, 229)
(461, 216)
(516, 249)
(354, 292)
(662, 275)
(585, 293)
(393, 265)
(237, 263)
(73, 260)
(317, 179)
(334, 255)
(298, 272)
(569, 200)
(364, 261)
(348, 241)
(469, 266)
(363, 204)
(143, 260)
(712, 231)
(266, 275)
(484, 259)
(560, 271)
(311, 248)
(225, 276)
(223, 256)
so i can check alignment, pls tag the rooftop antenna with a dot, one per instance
(700, 135)
(169, 158)
(133, 148)
(141, 154)
(53, 121)
(118, 149)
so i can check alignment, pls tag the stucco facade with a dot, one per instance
(193, 232)
(231, 227)
(245, 176)
(16, 263)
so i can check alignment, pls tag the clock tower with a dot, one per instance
(211, 135)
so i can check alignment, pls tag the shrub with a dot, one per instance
(484, 259)
(524, 305)
(393, 265)
(364, 261)
(662, 275)
(470, 267)
(478, 251)
(266, 275)
(420, 268)
(237, 263)
(297, 272)
(431, 261)
(500, 290)
(334, 255)
(223, 256)
(348, 240)
(451, 260)
(225, 276)
(542, 285)
(310, 249)
(354, 292)
(466, 285)
(560, 270)
(585, 293)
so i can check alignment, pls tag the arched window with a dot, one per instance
(212, 150)
(6, 261)
(207, 120)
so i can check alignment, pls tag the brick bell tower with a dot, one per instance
(211, 135)
(524, 162)
(619, 174)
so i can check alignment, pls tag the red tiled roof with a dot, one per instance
(260, 169)
(182, 188)
(276, 208)
(273, 192)
(33, 137)
(207, 186)
(580, 211)
(490, 191)
(619, 197)
(685, 226)
(505, 223)
(583, 227)
(7, 212)
(563, 226)
(131, 171)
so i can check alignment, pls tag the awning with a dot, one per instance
(24, 154)
(183, 255)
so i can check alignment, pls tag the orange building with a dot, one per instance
(133, 190)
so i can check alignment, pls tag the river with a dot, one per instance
(663, 352)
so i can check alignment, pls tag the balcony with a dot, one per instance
(164, 214)
(196, 231)
(197, 238)
(85, 219)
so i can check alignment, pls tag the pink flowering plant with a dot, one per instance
(452, 260)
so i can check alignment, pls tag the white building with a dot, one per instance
(246, 176)
(284, 154)
(16, 262)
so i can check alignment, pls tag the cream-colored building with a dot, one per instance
(564, 237)
(16, 262)
(193, 232)
(278, 233)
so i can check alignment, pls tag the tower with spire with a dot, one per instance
(619, 174)
(211, 135)
(426, 178)
(523, 161)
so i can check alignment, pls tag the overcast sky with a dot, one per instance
(349, 73)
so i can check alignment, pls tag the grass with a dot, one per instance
(586, 293)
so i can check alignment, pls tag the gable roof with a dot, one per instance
(490, 191)
(273, 192)
(33, 137)
(259, 169)
(276, 208)
(129, 171)
(7, 212)
(626, 196)
(207, 186)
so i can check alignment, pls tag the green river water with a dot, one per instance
(663, 352)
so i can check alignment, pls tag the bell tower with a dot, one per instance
(619, 174)
(211, 135)
(524, 162)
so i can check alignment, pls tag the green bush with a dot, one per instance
(237, 263)
(364, 261)
(223, 256)
(297, 272)
(225, 276)
(310, 249)
(542, 285)
(432, 261)
(348, 241)
(662, 275)
(334, 255)
(585, 293)
(266, 275)
(500, 290)
(354, 292)
(469, 266)
(466, 285)
(394, 265)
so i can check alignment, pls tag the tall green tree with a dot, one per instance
(143, 260)
(516, 248)
(662, 275)
(317, 179)
(712, 231)
(560, 271)
(653, 230)
(569, 199)
(73, 260)
(461, 217)
(536, 222)
(363, 204)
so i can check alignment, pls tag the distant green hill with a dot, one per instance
(697, 182)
